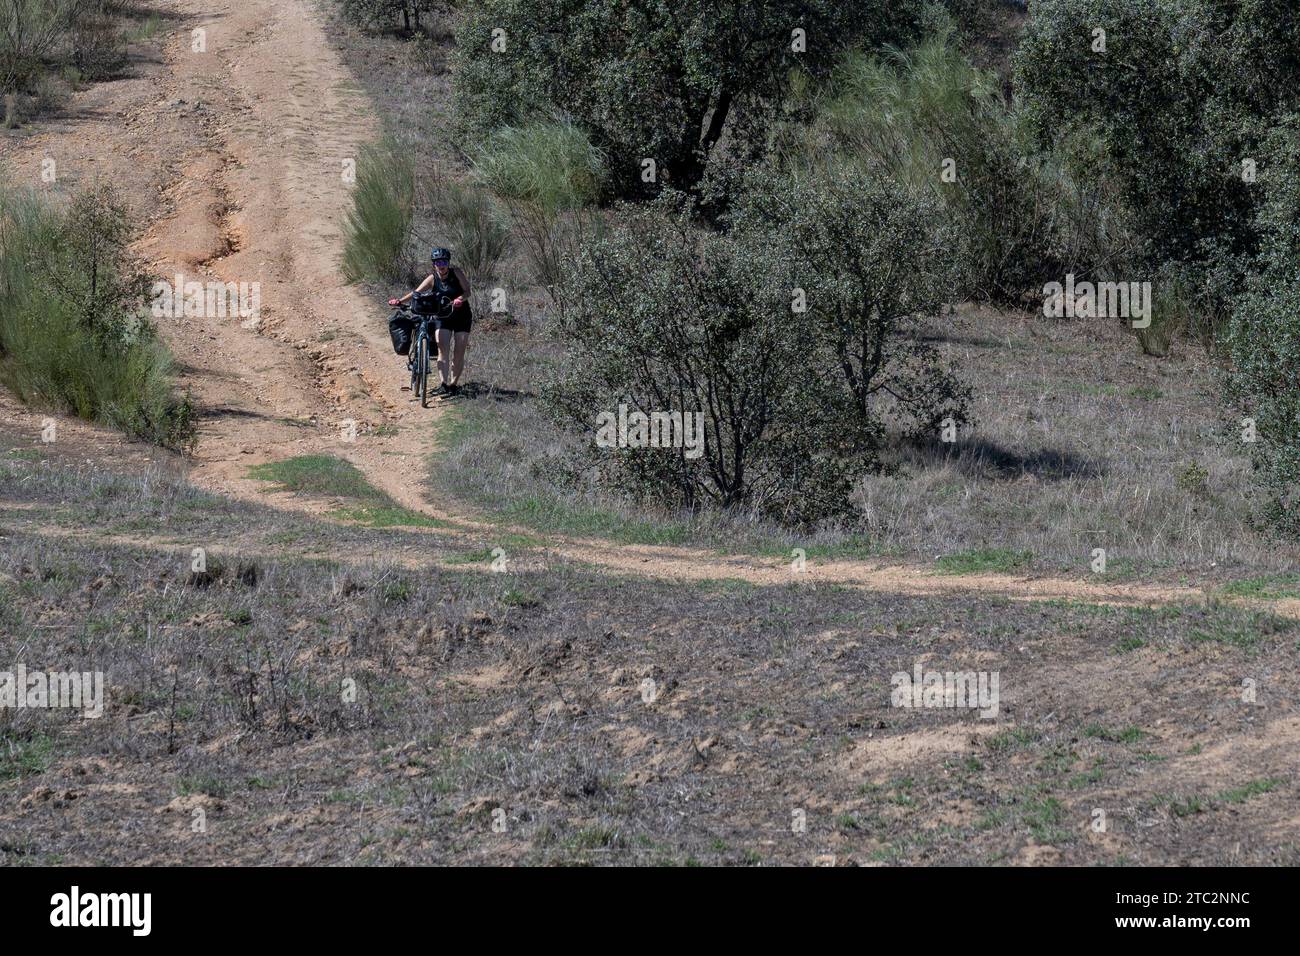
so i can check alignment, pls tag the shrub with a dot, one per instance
(378, 226)
(72, 329)
(663, 317)
(386, 13)
(1182, 94)
(1263, 337)
(929, 118)
(1263, 343)
(546, 174)
(867, 256)
(29, 32)
(646, 83)
(38, 38)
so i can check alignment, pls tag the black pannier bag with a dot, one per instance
(400, 329)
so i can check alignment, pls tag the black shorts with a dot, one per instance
(461, 320)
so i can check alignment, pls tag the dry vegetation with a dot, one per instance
(566, 712)
(525, 692)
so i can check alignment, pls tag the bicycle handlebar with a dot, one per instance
(443, 313)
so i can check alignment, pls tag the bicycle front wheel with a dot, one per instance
(422, 370)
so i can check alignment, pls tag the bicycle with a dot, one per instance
(417, 359)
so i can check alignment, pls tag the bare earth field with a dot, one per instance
(385, 670)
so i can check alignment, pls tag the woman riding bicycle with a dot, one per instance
(448, 283)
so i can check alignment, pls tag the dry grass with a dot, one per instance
(526, 693)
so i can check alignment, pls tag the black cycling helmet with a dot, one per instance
(440, 253)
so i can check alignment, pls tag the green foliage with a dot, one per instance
(1183, 94)
(1263, 337)
(546, 174)
(39, 39)
(550, 165)
(663, 316)
(378, 225)
(1263, 343)
(929, 118)
(869, 257)
(387, 13)
(651, 82)
(73, 332)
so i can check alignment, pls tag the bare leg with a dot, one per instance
(444, 354)
(458, 360)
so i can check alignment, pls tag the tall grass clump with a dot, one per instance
(548, 175)
(378, 225)
(73, 331)
(472, 225)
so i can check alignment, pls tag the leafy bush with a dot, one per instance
(663, 317)
(1183, 94)
(932, 120)
(650, 83)
(546, 174)
(386, 13)
(29, 32)
(41, 38)
(1263, 342)
(72, 328)
(378, 225)
(868, 256)
(1263, 336)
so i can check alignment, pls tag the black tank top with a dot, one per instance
(451, 288)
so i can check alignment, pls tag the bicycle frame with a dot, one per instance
(420, 337)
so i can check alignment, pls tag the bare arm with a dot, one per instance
(422, 287)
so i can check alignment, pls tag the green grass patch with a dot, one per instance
(204, 783)
(1148, 393)
(1272, 588)
(387, 516)
(22, 756)
(1253, 789)
(1043, 817)
(1009, 741)
(1128, 644)
(318, 475)
(1233, 627)
(325, 476)
(521, 599)
(1120, 735)
(477, 556)
(994, 560)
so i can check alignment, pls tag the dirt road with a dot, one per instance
(234, 147)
